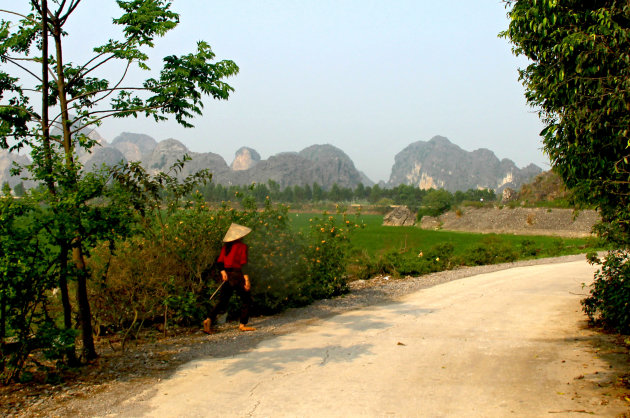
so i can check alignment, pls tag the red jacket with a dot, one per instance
(236, 258)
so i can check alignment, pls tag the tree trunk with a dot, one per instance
(63, 259)
(65, 300)
(3, 330)
(85, 314)
(77, 250)
(3, 321)
(63, 286)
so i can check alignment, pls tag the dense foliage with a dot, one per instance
(579, 81)
(49, 106)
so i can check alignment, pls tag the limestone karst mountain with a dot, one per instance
(332, 165)
(438, 163)
(135, 147)
(245, 159)
(6, 163)
(100, 156)
(321, 164)
(167, 152)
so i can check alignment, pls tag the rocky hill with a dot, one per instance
(438, 163)
(545, 187)
(323, 164)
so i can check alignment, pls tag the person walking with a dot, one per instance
(231, 260)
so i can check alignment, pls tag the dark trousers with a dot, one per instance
(235, 283)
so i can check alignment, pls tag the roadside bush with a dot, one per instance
(400, 263)
(167, 272)
(275, 261)
(609, 301)
(557, 247)
(528, 248)
(491, 250)
(406, 263)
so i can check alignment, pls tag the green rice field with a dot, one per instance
(377, 239)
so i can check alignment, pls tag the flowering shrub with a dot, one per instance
(326, 255)
(275, 261)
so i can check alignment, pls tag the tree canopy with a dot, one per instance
(578, 79)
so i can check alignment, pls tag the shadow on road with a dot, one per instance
(278, 359)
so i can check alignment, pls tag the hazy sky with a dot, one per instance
(369, 77)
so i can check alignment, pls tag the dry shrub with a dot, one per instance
(530, 219)
(167, 270)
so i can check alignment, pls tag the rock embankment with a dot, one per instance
(400, 216)
(521, 221)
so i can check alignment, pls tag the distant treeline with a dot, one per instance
(400, 195)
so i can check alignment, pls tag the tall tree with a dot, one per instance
(74, 99)
(579, 81)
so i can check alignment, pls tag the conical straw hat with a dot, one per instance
(235, 232)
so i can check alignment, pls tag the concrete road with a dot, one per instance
(508, 343)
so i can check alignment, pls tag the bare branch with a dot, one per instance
(35, 5)
(53, 75)
(28, 135)
(71, 8)
(23, 59)
(61, 6)
(80, 73)
(112, 113)
(54, 122)
(12, 61)
(18, 14)
(108, 90)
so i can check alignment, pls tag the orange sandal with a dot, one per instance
(207, 326)
(243, 327)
